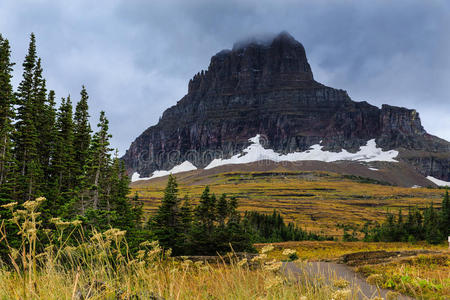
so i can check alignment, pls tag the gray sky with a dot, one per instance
(136, 57)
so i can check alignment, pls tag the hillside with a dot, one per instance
(315, 200)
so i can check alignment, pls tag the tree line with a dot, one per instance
(52, 151)
(215, 226)
(431, 225)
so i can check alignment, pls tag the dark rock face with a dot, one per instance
(270, 90)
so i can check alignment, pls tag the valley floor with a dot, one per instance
(323, 202)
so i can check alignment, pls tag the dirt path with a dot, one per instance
(329, 271)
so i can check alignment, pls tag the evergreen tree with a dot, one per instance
(222, 210)
(445, 215)
(64, 161)
(26, 136)
(82, 135)
(186, 214)
(167, 223)
(431, 226)
(6, 127)
(99, 159)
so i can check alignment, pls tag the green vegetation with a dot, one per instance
(52, 152)
(431, 225)
(272, 228)
(423, 277)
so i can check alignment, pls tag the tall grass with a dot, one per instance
(75, 265)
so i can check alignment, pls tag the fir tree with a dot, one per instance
(99, 159)
(167, 224)
(26, 136)
(445, 215)
(222, 210)
(6, 126)
(82, 134)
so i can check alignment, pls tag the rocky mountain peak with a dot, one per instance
(256, 65)
(266, 87)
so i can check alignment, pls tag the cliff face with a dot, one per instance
(269, 89)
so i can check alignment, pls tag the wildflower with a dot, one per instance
(259, 257)
(341, 283)
(341, 294)
(242, 262)
(272, 282)
(392, 295)
(288, 252)
(77, 222)
(114, 233)
(267, 248)
(375, 279)
(146, 243)
(273, 267)
(10, 205)
(141, 254)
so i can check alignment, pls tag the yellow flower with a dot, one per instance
(341, 294)
(273, 267)
(242, 262)
(272, 282)
(267, 248)
(341, 283)
(259, 257)
(9, 205)
(288, 252)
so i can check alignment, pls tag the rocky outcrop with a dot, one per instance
(269, 89)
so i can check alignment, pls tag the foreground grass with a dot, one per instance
(423, 277)
(168, 280)
(76, 265)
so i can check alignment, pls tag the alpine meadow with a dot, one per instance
(260, 182)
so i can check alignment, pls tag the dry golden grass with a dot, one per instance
(423, 277)
(316, 201)
(329, 250)
(99, 267)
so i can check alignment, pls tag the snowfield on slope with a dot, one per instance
(256, 152)
(183, 167)
(438, 181)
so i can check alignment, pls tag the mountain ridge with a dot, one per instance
(269, 89)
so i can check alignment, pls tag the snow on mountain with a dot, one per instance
(183, 167)
(256, 152)
(438, 181)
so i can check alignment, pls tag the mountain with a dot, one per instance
(264, 94)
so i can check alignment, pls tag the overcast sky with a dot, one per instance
(136, 57)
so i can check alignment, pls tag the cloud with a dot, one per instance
(136, 57)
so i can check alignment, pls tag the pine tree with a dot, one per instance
(65, 155)
(445, 215)
(431, 225)
(6, 126)
(222, 210)
(82, 134)
(26, 136)
(167, 224)
(99, 159)
(186, 214)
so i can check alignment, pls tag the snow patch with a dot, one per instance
(373, 169)
(416, 186)
(438, 182)
(136, 177)
(183, 167)
(256, 152)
